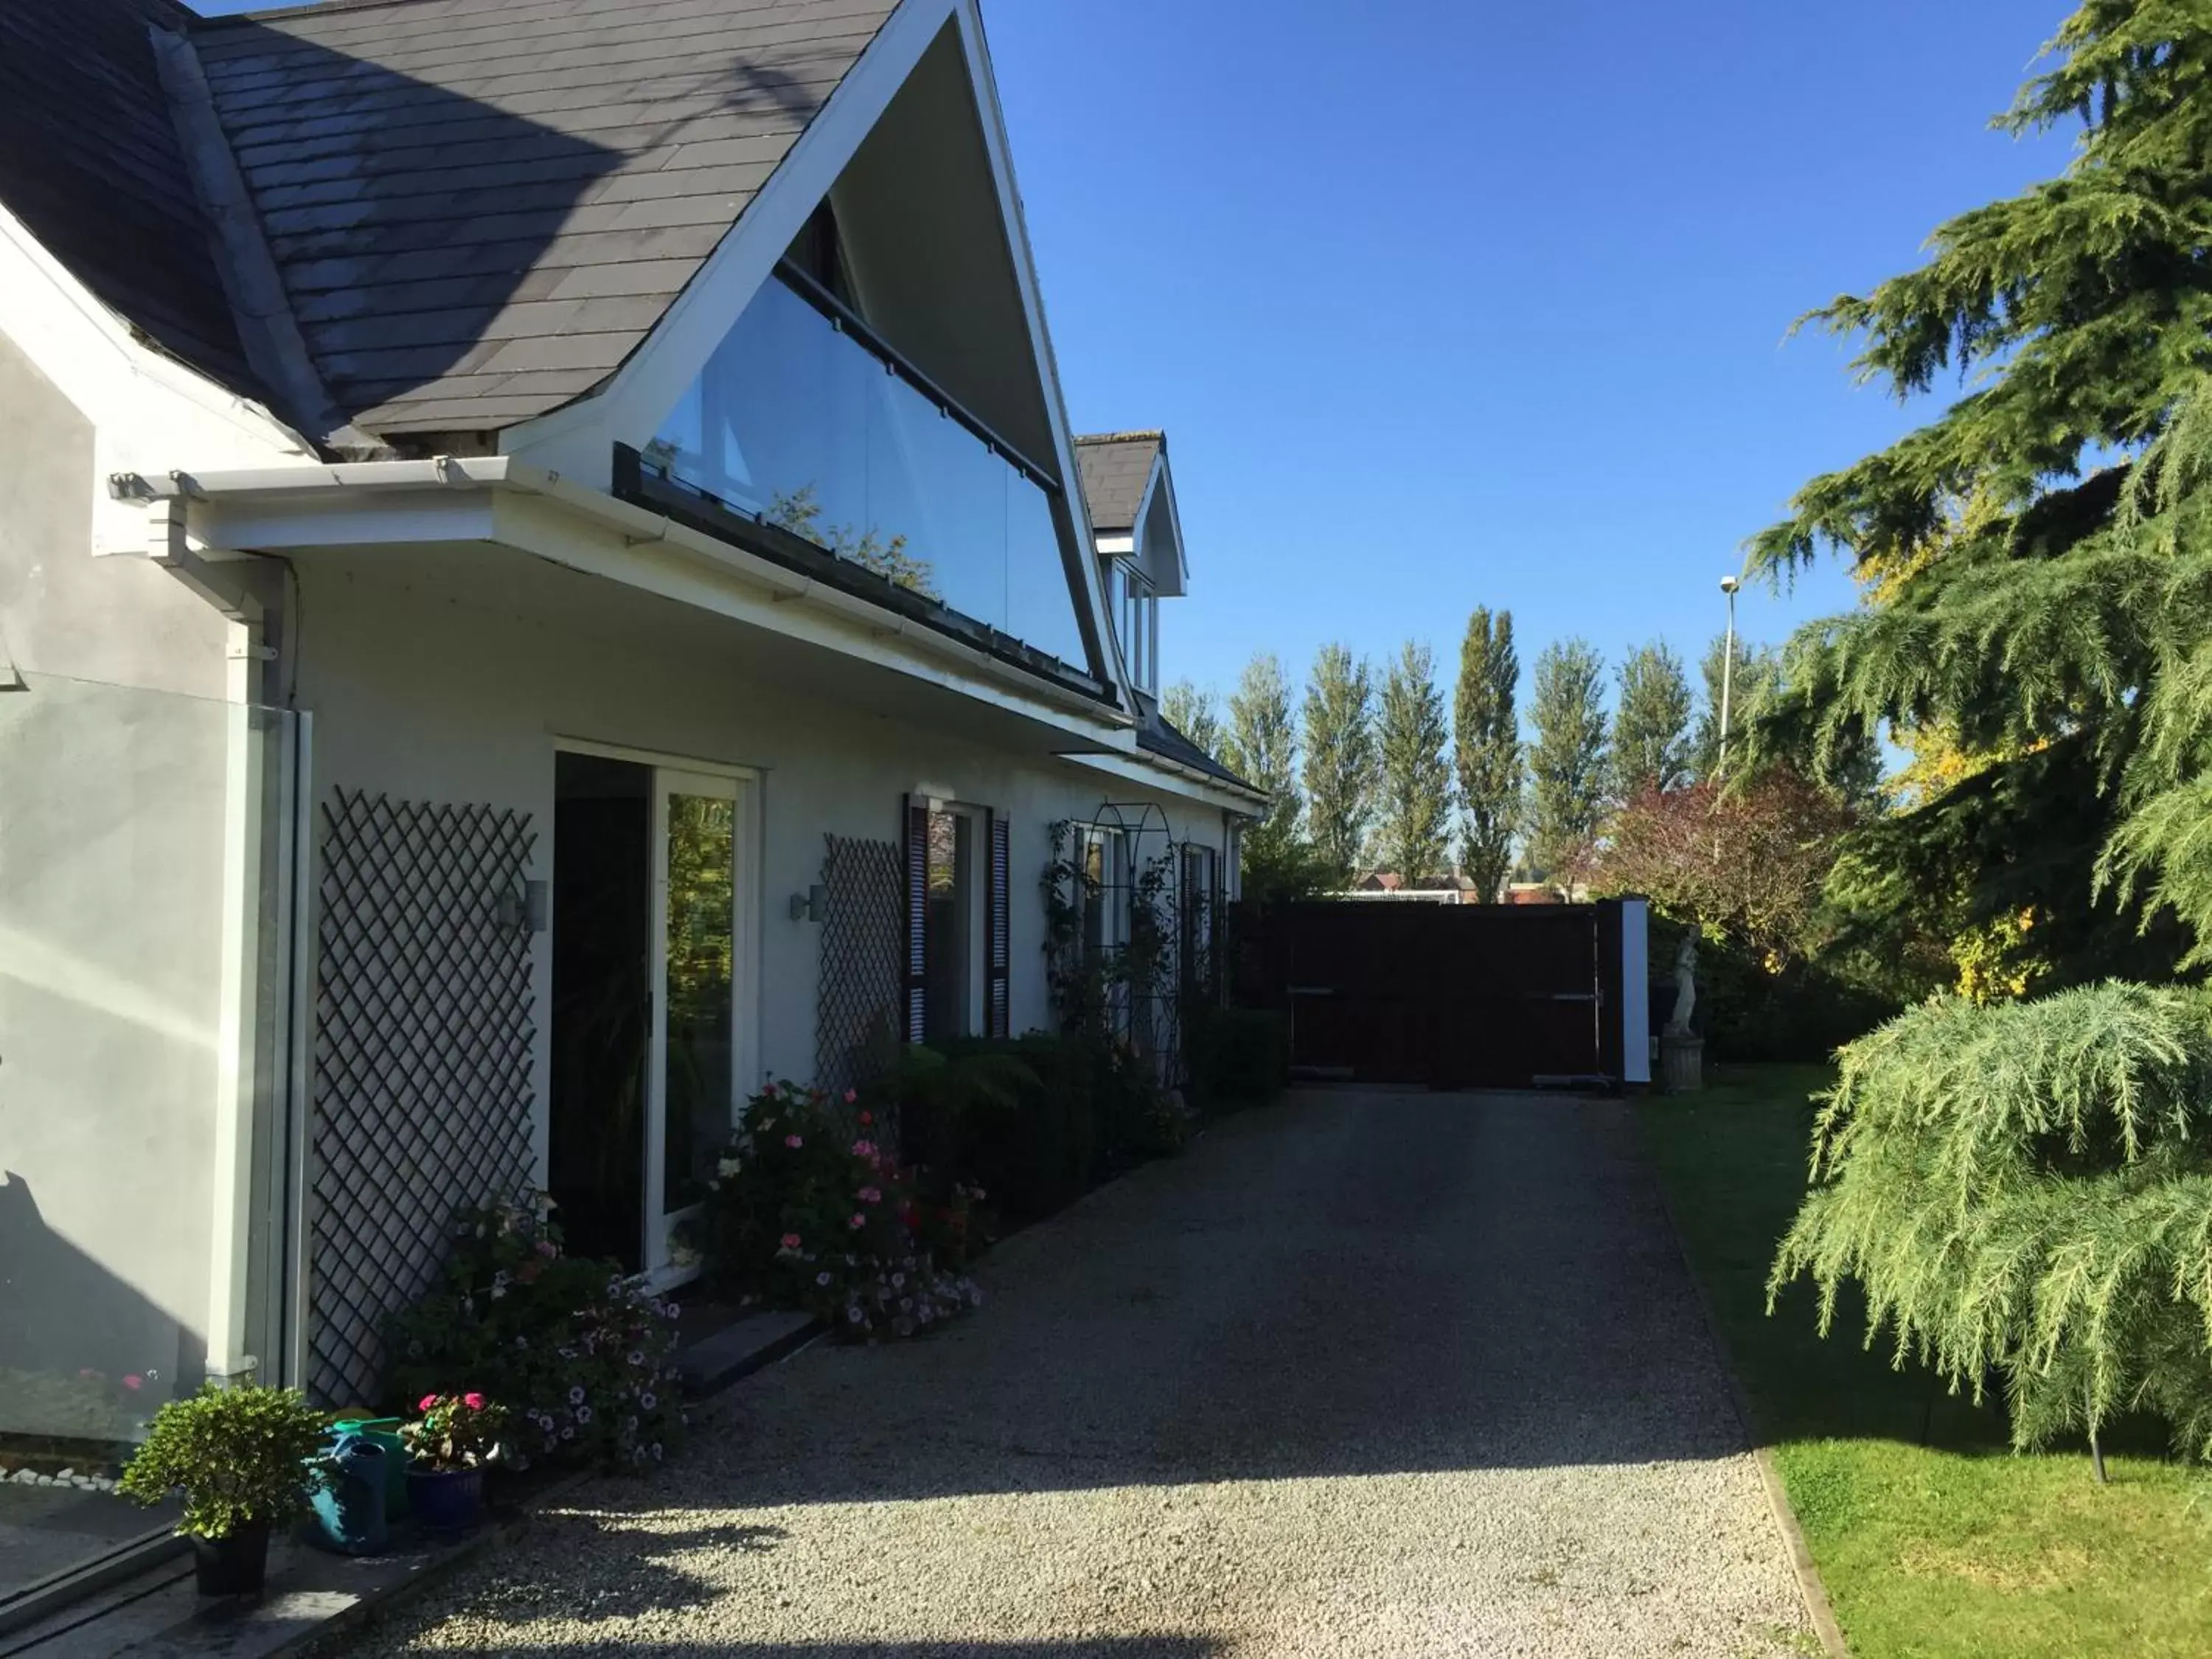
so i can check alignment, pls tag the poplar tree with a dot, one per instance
(1194, 711)
(1567, 758)
(1260, 747)
(1651, 724)
(1413, 790)
(1487, 739)
(1339, 758)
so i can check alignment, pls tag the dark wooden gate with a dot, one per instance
(1451, 995)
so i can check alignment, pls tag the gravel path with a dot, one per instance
(1374, 1374)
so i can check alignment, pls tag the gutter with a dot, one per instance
(638, 526)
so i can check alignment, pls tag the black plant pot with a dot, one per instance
(234, 1565)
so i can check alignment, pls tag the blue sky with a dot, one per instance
(1447, 304)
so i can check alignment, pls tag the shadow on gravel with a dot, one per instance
(1121, 1647)
(1348, 1285)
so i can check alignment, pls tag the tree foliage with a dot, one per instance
(1753, 679)
(2025, 1192)
(1747, 864)
(1567, 758)
(1486, 739)
(1414, 793)
(1339, 758)
(1261, 746)
(1652, 723)
(1195, 712)
(2044, 577)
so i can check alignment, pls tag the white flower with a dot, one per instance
(729, 1166)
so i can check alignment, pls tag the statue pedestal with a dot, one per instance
(1681, 1063)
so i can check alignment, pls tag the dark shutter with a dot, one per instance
(998, 1013)
(917, 916)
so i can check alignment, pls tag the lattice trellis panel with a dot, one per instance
(863, 986)
(424, 1025)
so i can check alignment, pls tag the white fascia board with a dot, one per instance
(1117, 547)
(148, 410)
(494, 499)
(577, 440)
(1157, 772)
(1163, 483)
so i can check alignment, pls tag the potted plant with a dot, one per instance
(448, 1444)
(245, 1460)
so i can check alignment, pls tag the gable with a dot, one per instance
(480, 211)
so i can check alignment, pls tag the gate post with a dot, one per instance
(1624, 932)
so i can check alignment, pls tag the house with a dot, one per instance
(544, 580)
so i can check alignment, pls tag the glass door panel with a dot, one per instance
(694, 1065)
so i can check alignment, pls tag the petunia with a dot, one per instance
(795, 1141)
(858, 1221)
(822, 1278)
(576, 1395)
(790, 1241)
(648, 1402)
(475, 1402)
(426, 1402)
(871, 1195)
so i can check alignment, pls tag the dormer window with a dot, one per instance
(1137, 624)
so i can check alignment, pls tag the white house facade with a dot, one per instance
(544, 581)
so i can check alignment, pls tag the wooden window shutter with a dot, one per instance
(916, 813)
(999, 1008)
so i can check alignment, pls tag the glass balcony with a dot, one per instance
(796, 421)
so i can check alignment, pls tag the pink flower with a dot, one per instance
(795, 1141)
(134, 1382)
(426, 1402)
(864, 1149)
(867, 1117)
(473, 1401)
(790, 1241)
(852, 1095)
(548, 1249)
(860, 1221)
(871, 1195)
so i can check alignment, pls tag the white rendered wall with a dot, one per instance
(425, 699)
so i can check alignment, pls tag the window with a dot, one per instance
(951, 928)
(1196, 906)
(958, 863)
(1136, 623)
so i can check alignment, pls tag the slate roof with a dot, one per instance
(1156, 735)
(89, 162)
(1114, 468)
(480, 208)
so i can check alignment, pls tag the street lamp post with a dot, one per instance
(1728, 585)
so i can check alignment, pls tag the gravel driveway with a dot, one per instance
(1364, 1373)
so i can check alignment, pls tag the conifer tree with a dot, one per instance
(1651, 724)
(1339, 758)
(1486, 739)
(1567, 758)
(1413, 792)
(2041, 552)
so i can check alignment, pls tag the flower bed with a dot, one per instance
(807, 1209)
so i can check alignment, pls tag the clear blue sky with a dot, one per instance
(1445, 305)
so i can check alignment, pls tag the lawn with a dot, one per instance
(1934, 1540)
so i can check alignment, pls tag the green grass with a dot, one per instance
(1934, 1540)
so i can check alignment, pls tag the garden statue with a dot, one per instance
(1686, 985)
